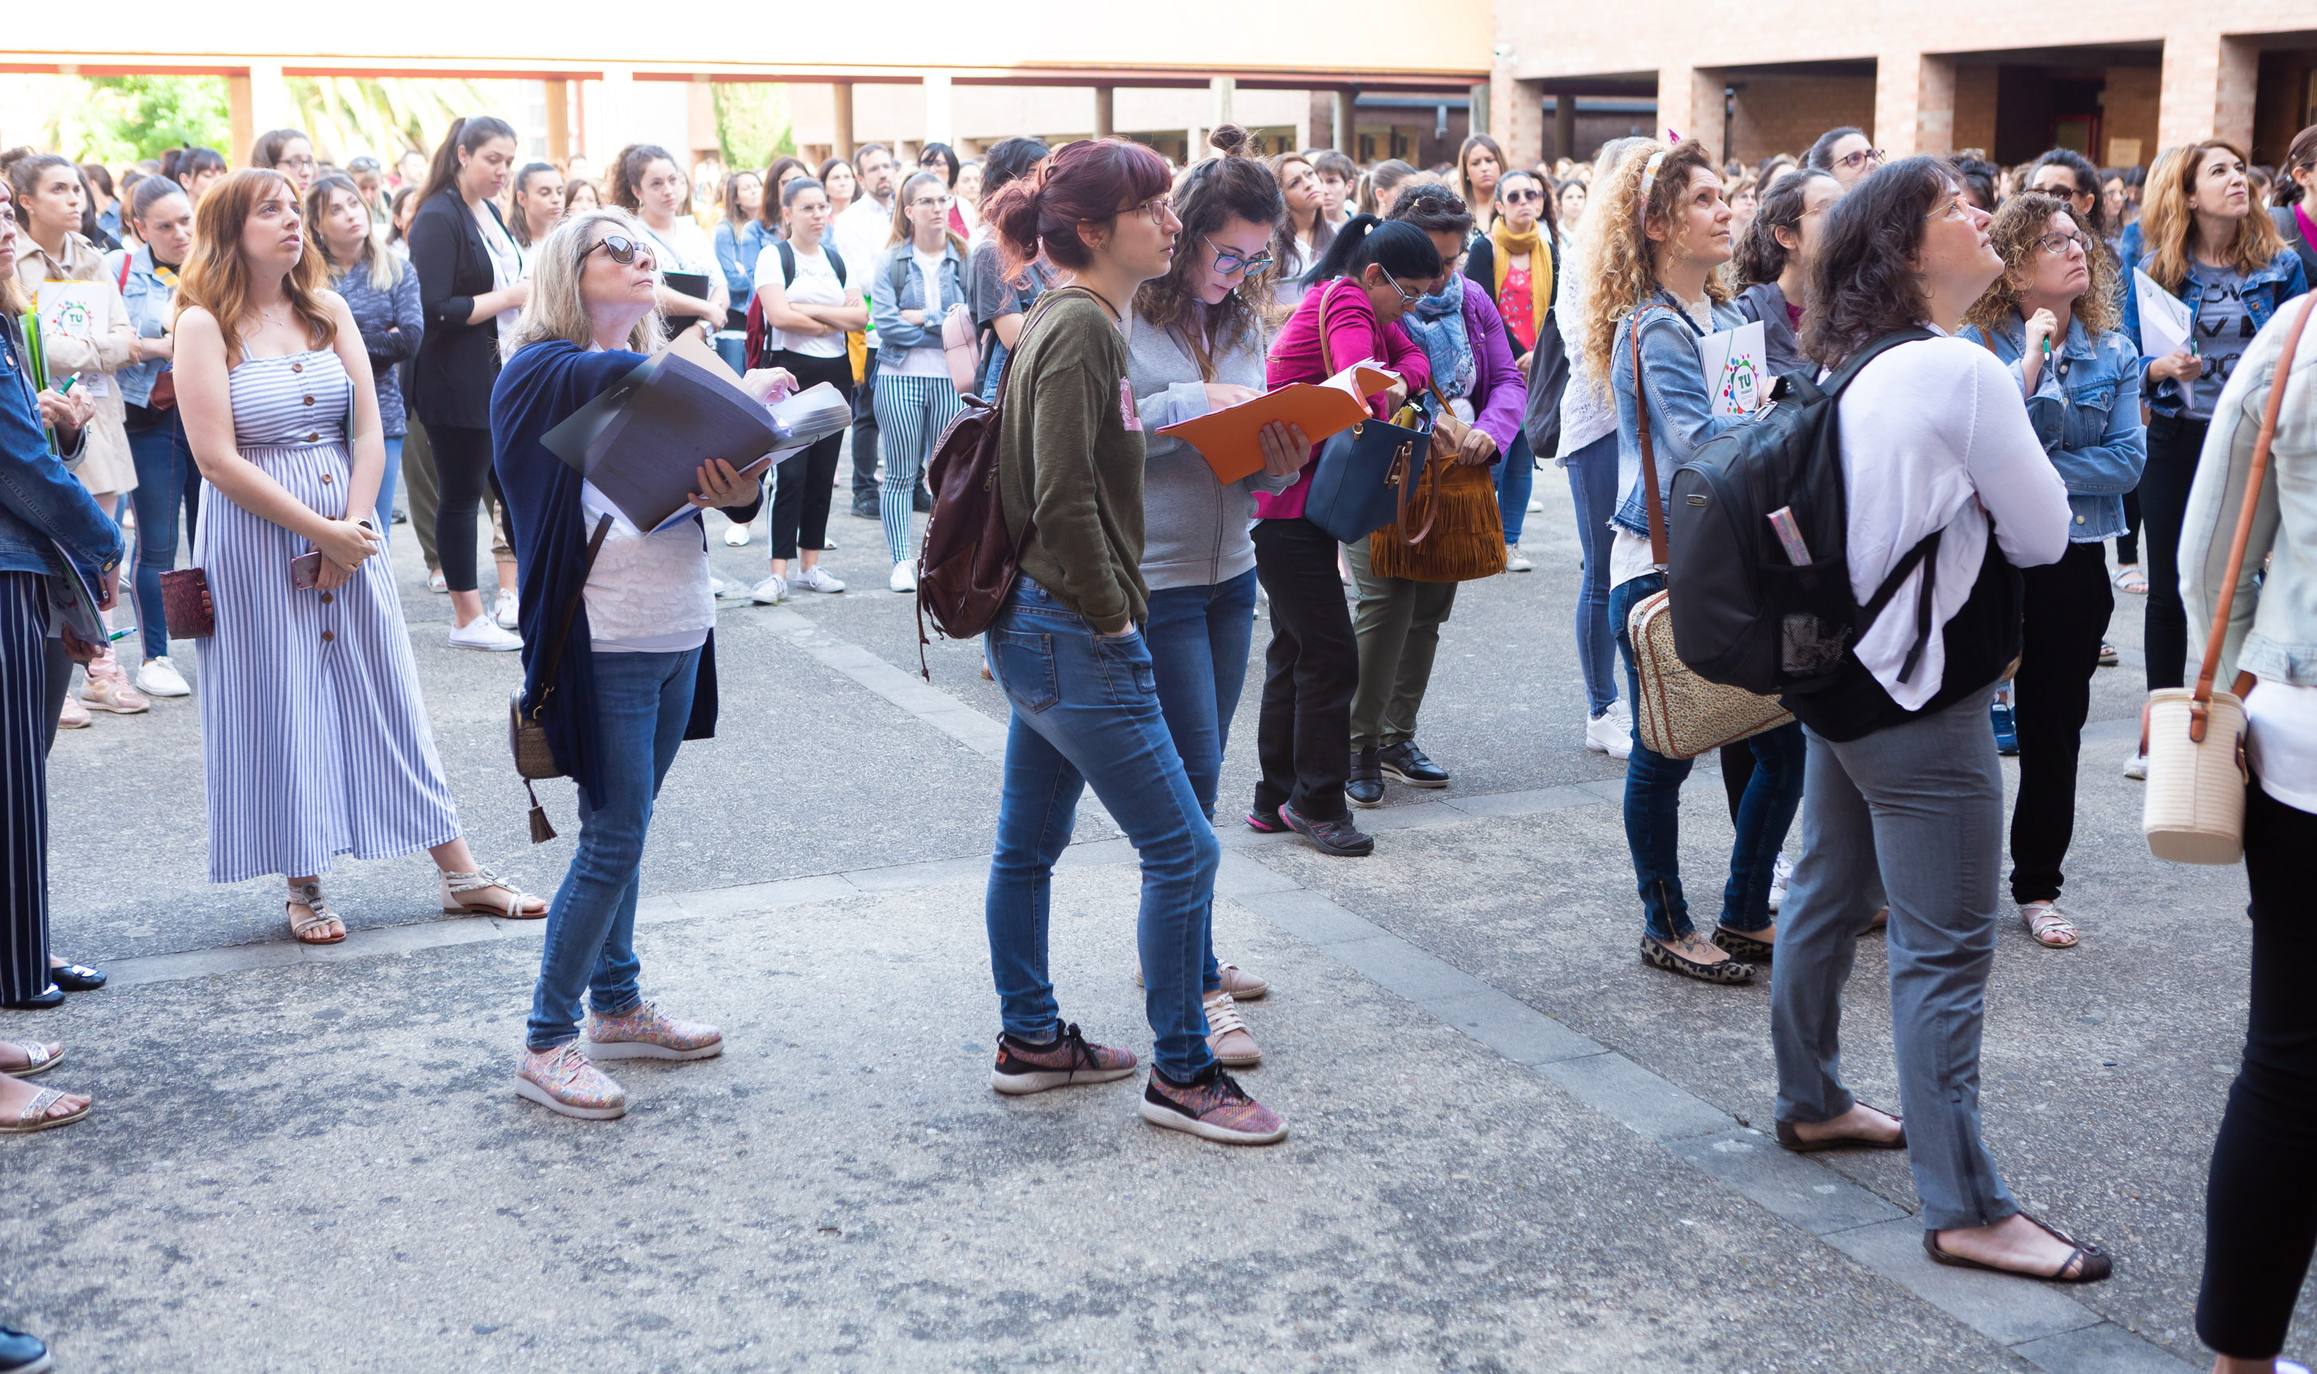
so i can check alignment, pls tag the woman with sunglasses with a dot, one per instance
(1068, 651)
(920, 277)
(1846, 154)
(1517, 263)
(1361, 291)
(1195, 344)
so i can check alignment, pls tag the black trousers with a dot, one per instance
(865, 434)
(2128, 543)
(803, 485)
(2174, 444)
(2261, 1203)
(1303, 734)
(462, 465)
(2065, 609)
(34, 671)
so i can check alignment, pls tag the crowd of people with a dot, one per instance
(259, 372)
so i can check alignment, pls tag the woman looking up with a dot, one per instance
(646, 183)
(1773, 263)
(920, 277)
(2296, 200)
(1305, 233)
(1845, 153)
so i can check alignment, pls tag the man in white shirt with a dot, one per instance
(862, 233)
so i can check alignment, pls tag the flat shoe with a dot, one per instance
(1740, 945)
(1729, 972)
(54, 997)
(76, 978)
(1792, 1139)
(2096, 1264)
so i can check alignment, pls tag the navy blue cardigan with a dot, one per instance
(537, 390)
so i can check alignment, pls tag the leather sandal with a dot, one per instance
(2049, 925)
(479, 894)
(2095, 1262)
(1729, 972)
(35, 1115)
(319, 917)
(1792, 1139)
(38, 1058)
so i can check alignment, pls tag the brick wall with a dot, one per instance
(1783, 114)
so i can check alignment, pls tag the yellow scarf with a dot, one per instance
(1510, 245)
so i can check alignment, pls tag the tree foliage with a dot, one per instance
(752, 123)
(126, 118)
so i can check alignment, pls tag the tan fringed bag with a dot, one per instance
(1458, 523)
(2194, 812)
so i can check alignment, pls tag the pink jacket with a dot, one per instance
(1353, 333)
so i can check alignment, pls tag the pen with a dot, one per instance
(66, 389)
(118, 635)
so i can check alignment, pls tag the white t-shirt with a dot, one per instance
(683, 247)
(506, 267)
(926, 359)
(861, 234)
(2281, 742)
(816, 284)
(648, 593)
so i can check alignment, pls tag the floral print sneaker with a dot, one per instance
(648, 1033)
(562, 1081)
(1070, 1059)
(1211, 1106)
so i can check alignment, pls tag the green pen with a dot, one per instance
(66, 389)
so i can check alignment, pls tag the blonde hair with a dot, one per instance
(2168, 225)
(2019, 226)
(216, 279)
(1617, 251)
(556, 309)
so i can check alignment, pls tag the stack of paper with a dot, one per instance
(2165, 323)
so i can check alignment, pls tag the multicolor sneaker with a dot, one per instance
(562, 1081)
(1265, 822)
(1211, 1106)
(1069, 1060)
(648, 1033)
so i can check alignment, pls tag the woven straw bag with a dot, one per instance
(1680, 715)
(2194, 812)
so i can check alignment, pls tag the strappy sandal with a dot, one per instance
(37, 1058)
(2095, 1262)
(1729, 972)
(1792, 1139)
(2050, 927)
(319, 916)
(2130, 579)
(470, 894)
(35, 1115)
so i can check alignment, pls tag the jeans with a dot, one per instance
(1593, 482)
(2128, 543)
(2174, 445)
(1199, 638)
(167, 479)
(2260, 1205)
(1653, 810)
(1086, 712)
(1303, 736)
(642, 704)
(1516, 479)
(1397, 629)
(2066, 607)
(1919, 808)
(389, 485)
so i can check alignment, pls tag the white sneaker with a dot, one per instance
(720, 589)
(481, 633)
(1779, 873)
(1514, 562)
(1536, 505)
(771, 591)
(817, 579)
(736, 537)
(158, 677)
(506, 610)
(2136, 768)
(1606, 734)
(904, 578)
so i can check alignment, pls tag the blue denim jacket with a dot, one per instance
(2264, 291)
(42, 506)
(149, 300)
(1681, 412)
(899, 287)
(736, 254)
(2090, 426)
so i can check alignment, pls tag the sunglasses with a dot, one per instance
(1230, 260)
(620, 249)
(1520, 197)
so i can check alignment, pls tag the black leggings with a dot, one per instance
(2261, 1202)
(462, 465)
(803, 485)
(2174, 445)
(1303, 736)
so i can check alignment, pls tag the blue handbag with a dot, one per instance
(1364, 477)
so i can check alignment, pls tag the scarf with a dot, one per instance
(1510, 245)
(1436, 322)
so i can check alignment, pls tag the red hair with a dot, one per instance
(1088, 182)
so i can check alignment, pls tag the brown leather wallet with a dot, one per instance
(185, 603)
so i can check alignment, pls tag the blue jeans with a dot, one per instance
(389, 484)
(1593, 482)
(1199, 638)
(1516, 478)
(1086, 711)
(167, 480)
(642, 704)
(1653, 809)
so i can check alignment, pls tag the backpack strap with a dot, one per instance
(836, 259)
(1925, 548)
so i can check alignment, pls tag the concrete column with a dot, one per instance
(257, 102)
(1223, 93)
(1476, 108)
(841, 103)
(940, 114)
(1689, 102)
(2208, 90)
(1516, 117)
(1914, 104)
(241, 121)
(1565, 128)
(1105, 111)
(700, 117)
(1340, 131)
(558, 119)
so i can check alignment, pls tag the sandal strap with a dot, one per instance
(36, 1110)
(475, 889)
(35, 1054)
(2047, 920)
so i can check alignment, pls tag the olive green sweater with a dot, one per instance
(1070, 460)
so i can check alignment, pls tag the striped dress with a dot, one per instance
(313, 731)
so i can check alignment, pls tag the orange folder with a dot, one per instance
(1227, 438)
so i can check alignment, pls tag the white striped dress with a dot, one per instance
(313, 730)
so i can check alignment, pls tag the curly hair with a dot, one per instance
(1616, 249)
(1208, 195)
(2018, 227)
(1861, 286)
(1761, 257)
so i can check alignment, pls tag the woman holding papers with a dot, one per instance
(919, 280)
(619, 650)
(1068, 650)
(314, 737)
(810, 301)
(646, 183)
(2052, 317)
(1195, 344)
(2207, 244)
(1662, 233)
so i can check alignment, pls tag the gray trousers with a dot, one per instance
(1397, 625)
(1918, 806)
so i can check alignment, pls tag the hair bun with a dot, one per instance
(1228, 139)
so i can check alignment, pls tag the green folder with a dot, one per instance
(36, 362)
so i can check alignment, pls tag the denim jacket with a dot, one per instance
(737, 248)
(149, 300)
(2264, 291)
(1681, 411)
(900, 287)
(2090, 425)
(43, 507)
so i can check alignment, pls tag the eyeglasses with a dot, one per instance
(930, 203)
(300, 164)
(1230, 260)
(1853, 161)
(1956, 207)
(363, 165)
(620, 249)
(2057, 244)
(1160, 209)
(1407, 297)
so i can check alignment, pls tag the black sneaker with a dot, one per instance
(1365, 787)
(1405, 763)
(22, 1354)
(1068, 1060)
(1338, 837)
(866, 509)
(922, 502)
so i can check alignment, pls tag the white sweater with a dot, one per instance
(1934, 435)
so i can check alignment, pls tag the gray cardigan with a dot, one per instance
(1194, 527)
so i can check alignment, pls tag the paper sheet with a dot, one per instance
(2165, 322)
(1737, 369)
(1229, 438)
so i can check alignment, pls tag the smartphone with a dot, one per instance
(305, 571)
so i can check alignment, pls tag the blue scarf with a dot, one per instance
(1436, 322)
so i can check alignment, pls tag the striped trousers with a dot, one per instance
(33, 674)
(911, 414)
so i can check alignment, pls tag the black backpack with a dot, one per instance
(757, 348)
(1744, 613)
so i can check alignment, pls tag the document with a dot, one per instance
(2165, 323)
(79, 310)
(1737, 369)
(1229, 439)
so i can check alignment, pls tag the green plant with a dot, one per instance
(752, 123)
(125, 118)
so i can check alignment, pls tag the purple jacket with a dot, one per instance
(1500, 394)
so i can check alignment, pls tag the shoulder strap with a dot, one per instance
(787, 264)
(836, 260)
(1326, 293)
(1657, 553)
(123, 283)
(570, 612)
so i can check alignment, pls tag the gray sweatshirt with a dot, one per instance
(1194, 527)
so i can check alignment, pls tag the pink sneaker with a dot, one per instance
(647, 1033)
(562, 1081)
(1024, 1067)
(108, 689)
(1211, 1106)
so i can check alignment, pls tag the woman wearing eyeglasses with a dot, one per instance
(1846, 154)
(920, 277)
(2053, 318)
(1517, 263)
(1195, 344)
(289, 152)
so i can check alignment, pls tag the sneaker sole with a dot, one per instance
(1362, 805)
(1335, 851)
(111, 710)
(1392, 774)
(1173, 1120)
(645, 1049)
(1024, 1084)
(486, 648)
(532, 1092)
(1244, 1061)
